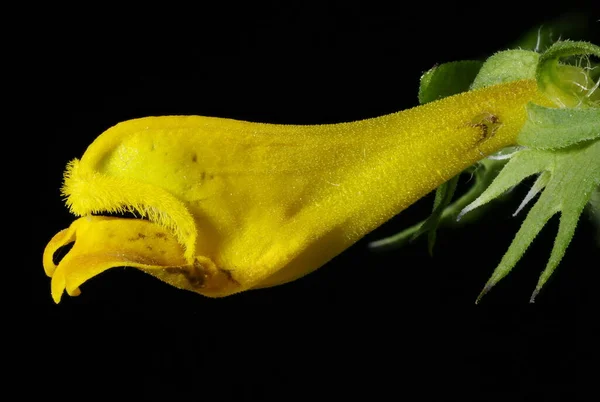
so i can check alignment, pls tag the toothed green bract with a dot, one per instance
(548, 128)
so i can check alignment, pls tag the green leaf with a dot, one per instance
(569, 177)
(548, 128)
(447, 79)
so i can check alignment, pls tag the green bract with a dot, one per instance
(567, 177)
(549, 128)
(559, 145)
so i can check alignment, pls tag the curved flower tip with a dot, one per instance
(100, 243)
(233, 205)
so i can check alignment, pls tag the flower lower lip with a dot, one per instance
(98, 243)
(63, 250)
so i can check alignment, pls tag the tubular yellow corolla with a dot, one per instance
(234, 205)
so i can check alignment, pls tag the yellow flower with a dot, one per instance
(233, 205)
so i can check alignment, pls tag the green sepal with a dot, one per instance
(447, 79)
(507, 66)
(565, 84)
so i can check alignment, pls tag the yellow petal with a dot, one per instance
(267, 204)
(100, 243)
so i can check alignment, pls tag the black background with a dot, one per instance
(366, 325)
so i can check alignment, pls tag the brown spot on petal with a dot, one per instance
(488, 123)
(140, 236)
(194, 275)
(229, 275)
